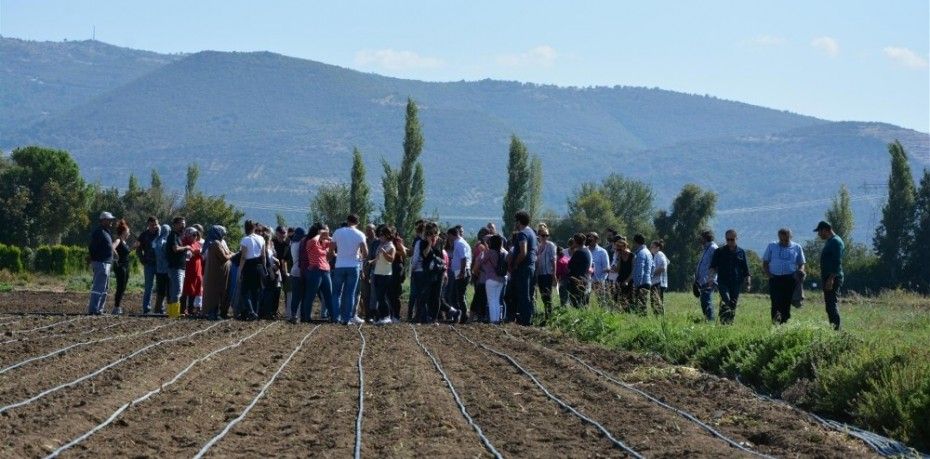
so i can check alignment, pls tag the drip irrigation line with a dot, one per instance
(258, 397)
(72, 346)
(361, 397)
(58, 335)
(655, 400)
(100, 370)
(119, 411)
(458, 400)
(62, 322)
(561, 403)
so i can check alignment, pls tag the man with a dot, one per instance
(145, 251)
(367, 307)
(659, 276)
(706, 240)
(461, 272)
(282, 252)
(831, 270)
(101, 254)
(545, 268)
(730, 267)
(522, 267)
(783, 263)
(610, 234)
(350, 248)
(642, 274)
(416, 271)
(176, 253)
(600, 261)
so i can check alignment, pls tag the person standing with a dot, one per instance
(659, 276)
(831, 270)
(579, 271)
(623, 266)
(349, 244)
(161, 269)
(382, 270)
(731, 269)
(492, 269)
(434, 268)
(705, 284)
(101, 253)
(600, 261)
(317, 275)
(176, 252)
(783, 263)
(416, 272)
(523, 266)
(192, 295)
(642, 274)
(251, 257)
(479, 300)
(561, 273)
(367, 308)
(398, 274)
(145, 251)
(282, 253)
(545, 268)
(216, 274)
(296, 282)
(461, 272)
(121, 264)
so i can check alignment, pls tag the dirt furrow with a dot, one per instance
(21, 347)
(519, 419)
(727, 406)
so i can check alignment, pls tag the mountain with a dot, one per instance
(267, 129)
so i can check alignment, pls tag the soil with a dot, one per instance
(311, 408)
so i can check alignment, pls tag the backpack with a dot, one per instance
(501, 267)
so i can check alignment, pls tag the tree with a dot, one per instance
(632, 202)
(42, 196)
(330, 205)
(410, 194)
(918, 267)
(518, 181)
(280, 220)
(590, 210)
(840, 215)
(894, 234)
(534, 201)
(691, 211)
(193, 173)
(389, 184)
(359, 199)
(156, 179)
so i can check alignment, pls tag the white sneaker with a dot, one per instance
(385, 321)
(117, 311)
(356, 321)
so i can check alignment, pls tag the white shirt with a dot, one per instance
(661, 261)
(460, 251)
(253, 245)
(348, 240)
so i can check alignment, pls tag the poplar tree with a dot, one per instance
(359, 199)
(534, 206)
(840, 215)
(918, 267)
(410, 192)
(389, 185)
(895, 232)
(518, 183)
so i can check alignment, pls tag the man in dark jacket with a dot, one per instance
(101, 260)
(145, 250)
(732, 270)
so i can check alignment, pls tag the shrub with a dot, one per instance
(60, 259)
(11, 258)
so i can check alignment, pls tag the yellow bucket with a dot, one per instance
(174, 310)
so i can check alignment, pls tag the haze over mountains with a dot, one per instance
(267, 129)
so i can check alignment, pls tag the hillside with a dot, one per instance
(268, 129)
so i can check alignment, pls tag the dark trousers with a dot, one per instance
(161, 292)
(524, 299)
(459, 287)
(781, 289)
(430, 301)
(545, 283)
(379, 306)
(416, 286)
(640, 298)
(395, 289)
(479, 302)
(121, 272)
(658, 299)
(729, 297)
(831, 302)
(251, 290)
(271, 296)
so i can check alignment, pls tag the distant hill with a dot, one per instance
(267, 129)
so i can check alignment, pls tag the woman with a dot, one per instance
(192, 293)
(434, 270)
(479, 300)
(623, 266)
(161, 269)
(317, 247)
(272, 281)
(382, 273)
(561, 273)
(251, 257)
(121, 264)
(296, 278)
(398, 275)
(493, 270)
(579, 271)
(216, 274)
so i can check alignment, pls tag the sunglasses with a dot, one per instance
(731, 239)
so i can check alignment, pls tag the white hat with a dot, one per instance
(106, 216)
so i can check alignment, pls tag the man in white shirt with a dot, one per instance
(349, 245)
(461, 271)
(659, 276)
(600, 261)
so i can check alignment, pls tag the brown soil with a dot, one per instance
(310, 409)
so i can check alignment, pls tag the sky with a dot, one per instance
(838, 60)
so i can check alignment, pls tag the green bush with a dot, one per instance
(11, 258)
(60, 259)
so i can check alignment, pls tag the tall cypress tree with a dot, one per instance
(840, 215)
(918, 268)
(359, 199)
(534, 202)
(193, 173)
(895, 232)
(410, 194)
(389, 185)
(518, 183)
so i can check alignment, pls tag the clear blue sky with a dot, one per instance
(839, 60)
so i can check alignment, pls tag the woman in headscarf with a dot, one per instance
(216, 275)
(192, 292)
(161, 269)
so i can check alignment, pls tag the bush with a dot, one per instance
(60, 259)
(11, 258)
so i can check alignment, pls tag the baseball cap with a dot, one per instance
(106, 216)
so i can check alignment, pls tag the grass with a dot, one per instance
(875, 373)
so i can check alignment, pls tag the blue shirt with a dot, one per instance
(529, 236)
(700, 275)
(601, 263)
(784, 260)
(101, 245)
(642, 268)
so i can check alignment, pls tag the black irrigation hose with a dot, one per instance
(69, 314)
(882, 445)
(361, 397)
(458, 400)
(561, 403)
(655, 400)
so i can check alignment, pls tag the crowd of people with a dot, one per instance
(358, 276)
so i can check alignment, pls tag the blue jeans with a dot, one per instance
(707, 303)
(316, 281)
(98, 289)
(175, 282)
(345, 282)
(297, 296)
(522, 294)
(149, 276)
